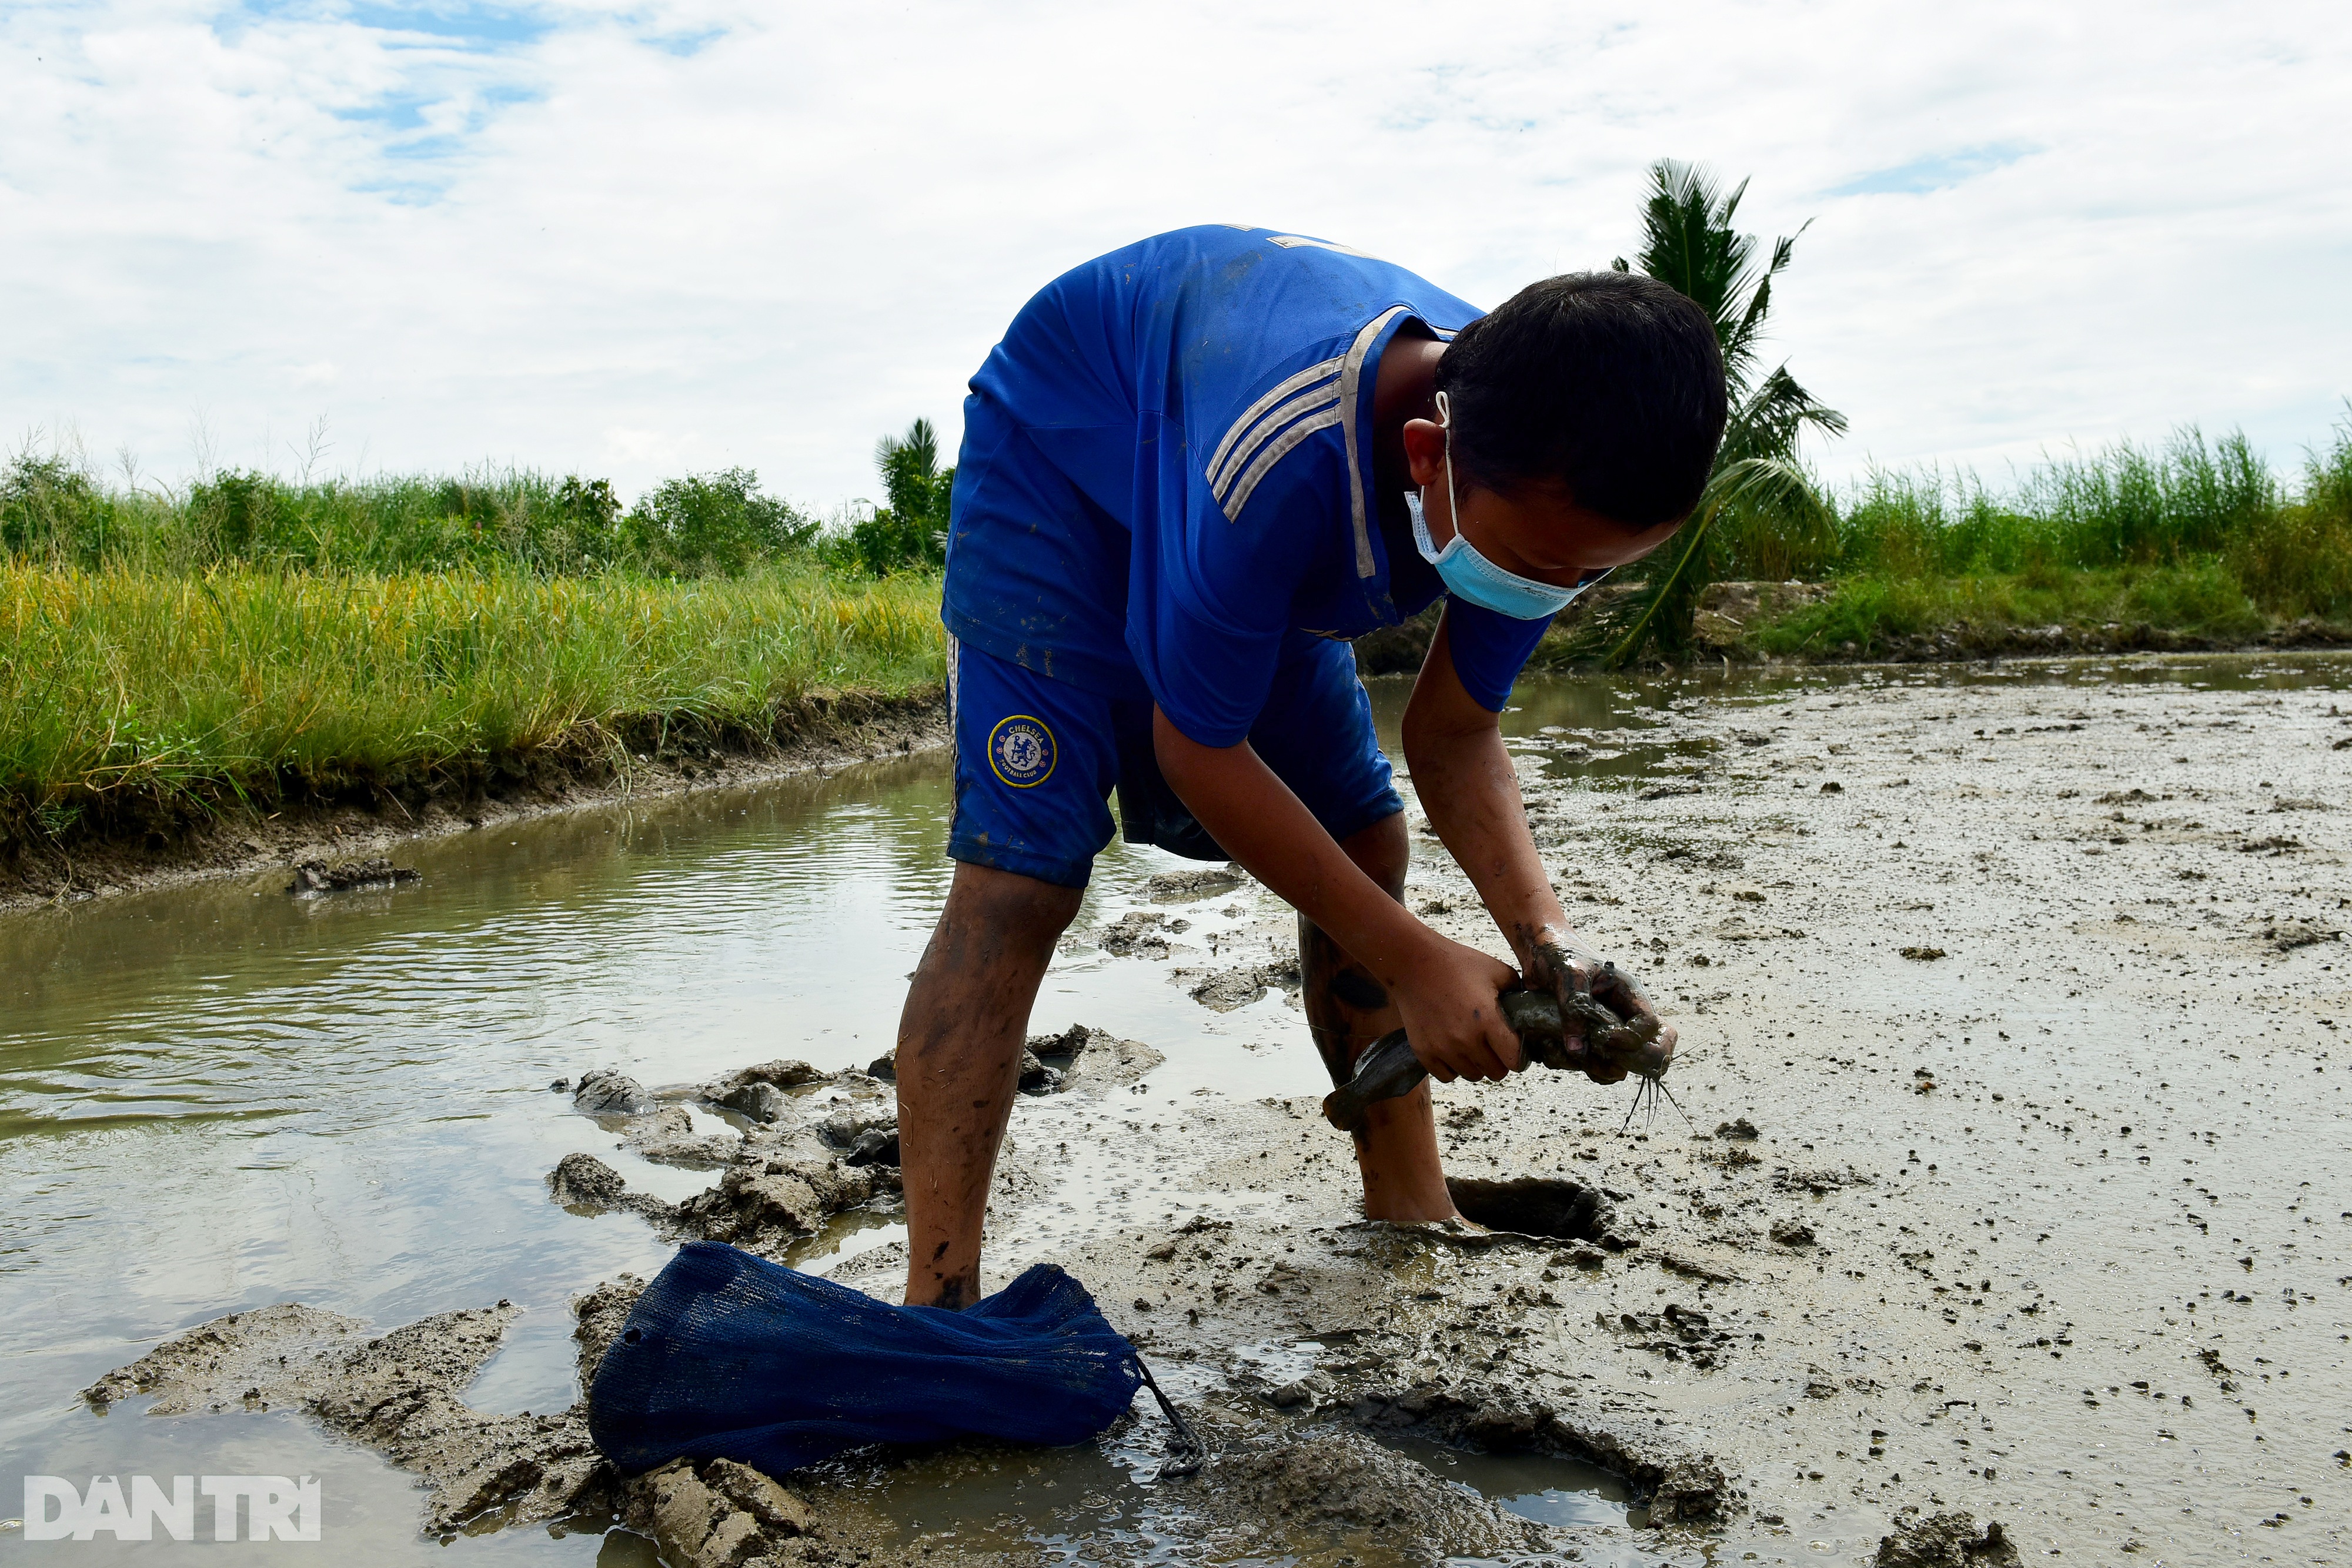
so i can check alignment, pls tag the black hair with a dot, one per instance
(1608, 382)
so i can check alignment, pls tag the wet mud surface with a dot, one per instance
(2033, 1248)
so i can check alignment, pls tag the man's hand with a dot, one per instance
(1448, 998)
(1563, 965)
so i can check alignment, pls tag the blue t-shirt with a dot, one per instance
(1166, 476)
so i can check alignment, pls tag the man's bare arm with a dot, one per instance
(1445, 990)
(1464, 777)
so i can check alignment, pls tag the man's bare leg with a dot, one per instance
(1347, 1009)
(960, 1044)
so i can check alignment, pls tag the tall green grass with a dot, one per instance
(124, 692)
(2194, 535)
(56, 510)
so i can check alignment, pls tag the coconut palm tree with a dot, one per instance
(912, 529)
(1760, 505)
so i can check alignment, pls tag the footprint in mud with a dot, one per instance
(1537, 1206)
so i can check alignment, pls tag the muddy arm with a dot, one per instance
(1388, 1068)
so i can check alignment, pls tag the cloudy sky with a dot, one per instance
(636, 241)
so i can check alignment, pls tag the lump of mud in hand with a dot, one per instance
(1535, 1205)
(318, 876)
(607, 1092)
(1945, 1540)
(1322, 1480)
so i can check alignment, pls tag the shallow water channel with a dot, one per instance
(219, 1097)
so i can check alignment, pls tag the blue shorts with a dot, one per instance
(1038, 760)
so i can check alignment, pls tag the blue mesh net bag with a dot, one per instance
(726, 1356)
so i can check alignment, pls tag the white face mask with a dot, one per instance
(1469, 575)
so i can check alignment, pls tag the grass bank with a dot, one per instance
(1876, 615)
(136, 700)
(2195, 544)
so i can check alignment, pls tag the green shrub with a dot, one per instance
(712, 525)
(2212, 513)
(2297, 560)
(53, 511)
(911, 532)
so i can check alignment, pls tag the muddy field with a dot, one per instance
(2015, 1185)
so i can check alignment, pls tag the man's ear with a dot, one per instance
(1424, 451)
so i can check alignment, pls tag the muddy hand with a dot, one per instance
(1606, 1053)
(1448, 1001)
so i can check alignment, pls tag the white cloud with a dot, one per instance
(627, 241)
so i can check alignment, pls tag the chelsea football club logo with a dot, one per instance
(1020, 750)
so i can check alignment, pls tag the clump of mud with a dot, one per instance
(318, 876)
(666, 1137)
(399, 1393)
(608, 1092)
(761, 1092)
(819, 1143)
(715, 1513)
(1202, 882)
(1945, 1540)
(1139, 934)
(1325, 1493)
(1222, 990)
(766, 1206)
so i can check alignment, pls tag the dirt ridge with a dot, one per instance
(641, 756)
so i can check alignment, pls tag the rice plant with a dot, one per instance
(124, 692)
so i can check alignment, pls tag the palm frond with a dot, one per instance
(1759, 507)
(1767, 421)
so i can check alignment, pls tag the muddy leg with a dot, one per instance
(959, 1065)
(1347, 1009)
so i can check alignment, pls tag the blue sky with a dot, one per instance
(638, 240)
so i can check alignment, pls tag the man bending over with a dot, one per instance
(1193, 470)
